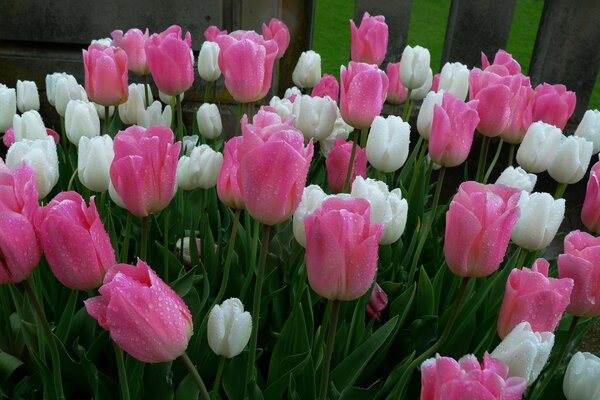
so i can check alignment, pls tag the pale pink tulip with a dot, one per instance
(504, 64)
(396, 93)
(590, 213)
(228, 187)
(553, 104)
(327, 86)
(363, 91)
(279, 32)
(134, 44)
(106, 74)
(369, 40)
(337, 162)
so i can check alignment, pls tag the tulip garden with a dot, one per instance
(309, 252)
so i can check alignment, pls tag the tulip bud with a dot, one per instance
(363, 90)
(315, 116)
(81, 119)
(370, 40)
(200, 169)
(135, 104)
(377, 302)
(283, 107)
(327, 86)
(185, 251)
(66, 89)
(553, 104)
(524, 351)
(337, 163)
(540, 217)
(308, 70)
(387, 143)
(454, 79)
(101, 110)
(589, 128)
(51, 80)
(582, 377)
(420, 92)
(93, 162)
(341, 130)
(133, 42)
(41, 156)
(209, 121)
(425, 117)
(279, 32)
(208, 66)
(517, 178)
(8, 107)
(153, 116)
(396, 93)
(27, 96)
(312, 197)
(166, 99)
(189, 143)
(29, 126)
(538, 149)
(105, 74)
(229, 328)
(414, 66)
(571, 160)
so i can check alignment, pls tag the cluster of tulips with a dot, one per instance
(316, 195)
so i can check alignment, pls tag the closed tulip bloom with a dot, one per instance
(341, 130)
(590, 213)
(307, 72)
(420, 92)
(539, 220)
(229, 328)
(444, 378)
(283, 107)
(200, 169)
(387, 207)
(524, 351)
(538, 149)
(571, 160)
(314, 116)
(582, 377)
(208, 62)
(154, 115)
(105, 74)
(136, 103)
(504, 64)
(414, 66)
(363, 91)
(144, 316)
(20, 251)
(341, 248)
(27, 96)
(277, 31)
(533, 297)
(553, 104)
(75, 242)
(479, 222)
(291, 93)
(81, 119)
(454, 78)
(387, 143)
(369, 40)
(589, 128)
(67, 89)
(8, 107)
(337, 162)
(425, 117)
(170, 60)
(521, 115)
(377, 302)
(581, 262)
(327, 86)
(134, 43)
(209, 121)
(51, 80)
(93, 162)
(312, 198)
(396, 93)
(29, 126)
(452, 130)
(144, 169)
(517, 178)
(228, 187)
(41, 156)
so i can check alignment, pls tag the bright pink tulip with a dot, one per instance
(377, 302)
(521, 115)
(504, 64)
(106, 74)
(327, 86)
(170, 60)
(452, 130)
(533, 297)
(478, 227)
(590, 213)
(370, 40)
(273, 167)
(20, 251)
(144, 169)
(341, 248)
(144, 316)
(553, 104)
(396, 93)
(134, 44)
(581, 262)
(212, 32)
(75, 242)
(363, 91)
(279, 32)
(443, 378)
(337, 162)
(228, 187)
(246, 60)
(9, 136)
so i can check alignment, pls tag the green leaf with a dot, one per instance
(425, 299)
(158, 382)
(355, 393)
(64, 325)
(292, 365)
(403, 303)
(184, 283)
(8, 365)
(187, 389)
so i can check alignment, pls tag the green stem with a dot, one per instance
(485, 144)
(417, 169)
(522, 257)
(125, 248)
(217, 383)
(494, 161)
(123, 384)
(335, 312)
(206, 89)
(560, 190)
(70, 185)
(253, 248)
(179, 118)
(351, 163)
(166, 244)
(230, 248)
(511, 154)
(197, 378)
(364, 134)
(106, 119)
(144, 239)
(146, 94)
(406, 105)
(409, 113)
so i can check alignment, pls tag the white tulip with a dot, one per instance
(314, 116)
(27, 96)
(8, 107)
(106, 42)
(135, 103)
(414, 66)
(101, 110)
(517, 178)
(29, 126)
(540, 217)
(66, 89)
(283, 107)
(387, 143)
(571, 160)
(166, 99)
(187, 255)
(308, 70)
(582, 377)
(208, 66)
(420, 92)
(200, 169)
(209, 121)
(81, 119)
(115, 197)
(155, 115)
(312, 198)
(454, 78)
(93, 162)
(293, 91)
(589, 128)
(40, 155)
(229, 328)
(425, 116)
(189, 143)
(51, 80)
(538, 149)
(341, 130)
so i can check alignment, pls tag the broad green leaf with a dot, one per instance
(425, 300)
(187, 389)
(8, 365)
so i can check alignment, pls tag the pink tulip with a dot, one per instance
(144, 169)
(396, 93)
(279, 32)
(443, 378)
(341, 248)
(590, 213)
(212, 32)
(327, 86)
(9, 136)
(228, 187)
(581, 262)
(533, 297)
(377, 302)
(337, 162)
(134, 43)
(246, 60)
(363, 91)
(452, 130)
(75, 242)
(504, 64)
(20, 251)
(478, 227)
(170, 60)
(106, 74)
(144, 316)
(435, 84)
(370, 40)
(553, 104)
(521, 115)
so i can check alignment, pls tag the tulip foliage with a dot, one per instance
(308, 253)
